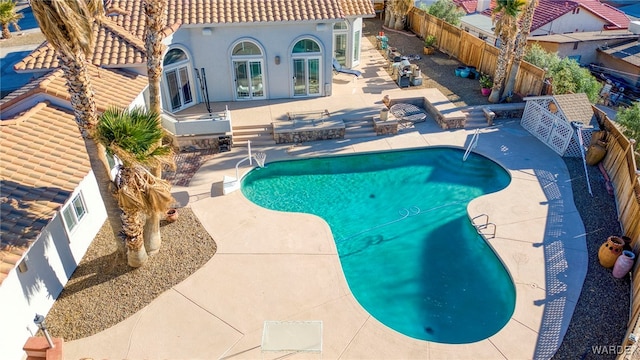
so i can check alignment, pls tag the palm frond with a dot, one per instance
(68, 24)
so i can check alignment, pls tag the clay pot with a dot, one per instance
(485, 91)
(172, 215)
(624, 264)
(596, 152)
(610, 251)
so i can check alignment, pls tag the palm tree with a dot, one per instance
(69, 26)
(133, 136)
(155, 23)
(399, 9)
(505, 17)
(521, 44)
(8, 16)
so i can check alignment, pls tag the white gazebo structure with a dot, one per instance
(556, 120)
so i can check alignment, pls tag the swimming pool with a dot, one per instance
(409, 253)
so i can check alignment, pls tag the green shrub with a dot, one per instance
(445, 10)
(629, 118)
(566, 74)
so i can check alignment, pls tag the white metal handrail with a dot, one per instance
(472, 144)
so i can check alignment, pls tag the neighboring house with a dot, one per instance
(550, 17)
(222, 50)
(50, 206)
(621, 61)
(571, 16)
(480, 26)
(582, 46)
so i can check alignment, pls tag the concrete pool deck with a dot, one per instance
(283, 266)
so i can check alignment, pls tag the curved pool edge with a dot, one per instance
(537, 261)
(348, 331)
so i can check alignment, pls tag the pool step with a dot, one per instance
(358, 128)
(260, 135)
(475, 118)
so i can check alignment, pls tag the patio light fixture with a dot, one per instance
(39, 320)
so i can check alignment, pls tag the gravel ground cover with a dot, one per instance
(104, 290)
(601, 314)
(438, 69)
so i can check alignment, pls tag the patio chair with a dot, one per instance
(339, 69)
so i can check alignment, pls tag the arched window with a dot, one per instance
(248, 64)
(246, 48)
(306, 46)
(307, 69)
(177, 75)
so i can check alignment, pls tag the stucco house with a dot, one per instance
(217, 50)
(224, 50)
(50, 205)
(550, 17)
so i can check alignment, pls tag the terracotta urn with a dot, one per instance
(624, 264)
(610, 251)
(172, 215)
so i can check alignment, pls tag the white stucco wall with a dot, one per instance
(51, 261)
(213, 53)
(569, 23)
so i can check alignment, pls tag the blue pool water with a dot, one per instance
(407, 248)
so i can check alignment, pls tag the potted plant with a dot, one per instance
(485, 84)
(429, 44)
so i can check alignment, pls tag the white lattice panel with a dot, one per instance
(551, 128)
(560, 136)
(573, 150)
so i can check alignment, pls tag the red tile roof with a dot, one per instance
(43, 155)
(616, 18)
(469, 6)
(549, 10)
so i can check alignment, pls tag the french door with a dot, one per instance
(249, 81)
(179, 85)
(306, 76)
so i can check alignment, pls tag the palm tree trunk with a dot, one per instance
(156, 21)
(133, 228)
(387, 15)
(501, 69)
(152, 237)
(399, 24)
(392, 20)
(521, 45)
(6, 34)
(154, 11)
(83, 103)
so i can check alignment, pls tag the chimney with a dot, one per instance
(634, 27)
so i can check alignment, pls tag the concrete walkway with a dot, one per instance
(283, 266)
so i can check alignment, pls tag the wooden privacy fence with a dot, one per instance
(621, 168)
(473, 51)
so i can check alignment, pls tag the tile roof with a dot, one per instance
(115, 47)
(469, 6)
(120, 36)
(575, 107)
(43, 155)
(549, 10)
(43, 160)
(130, 85)
(616, 18)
